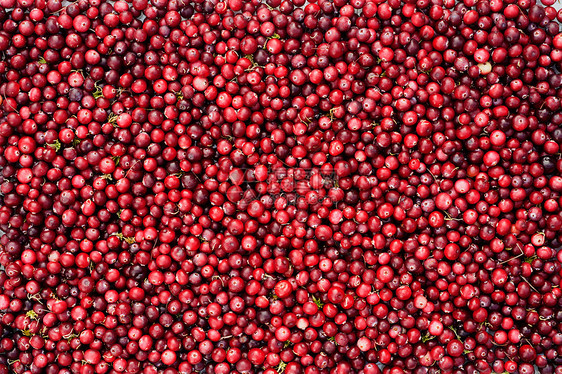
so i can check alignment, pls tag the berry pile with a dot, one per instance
(280, 186)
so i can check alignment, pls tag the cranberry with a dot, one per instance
(282, 187)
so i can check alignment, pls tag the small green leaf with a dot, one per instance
(56, 145)
(318, 302)
(112, 118)
(26, 332)
(127, 239)
(427, 337)
(97, 93)
(32, 315)
(281, 367)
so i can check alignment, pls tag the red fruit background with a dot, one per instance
(280, 186)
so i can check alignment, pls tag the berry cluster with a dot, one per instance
(280, 186)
